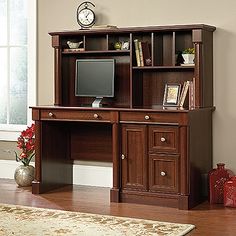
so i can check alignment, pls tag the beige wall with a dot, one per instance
(56, 15)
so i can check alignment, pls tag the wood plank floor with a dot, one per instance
(209, 219)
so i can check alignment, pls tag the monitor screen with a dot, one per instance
(95, 77)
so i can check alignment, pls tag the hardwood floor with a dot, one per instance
(209, 219)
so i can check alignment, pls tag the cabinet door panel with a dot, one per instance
(163, 173)
(134, 157)
(163, 139)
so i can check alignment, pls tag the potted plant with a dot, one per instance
(24, 174)
(188, 55)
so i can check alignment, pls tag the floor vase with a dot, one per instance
(217, 177)
(24, 175)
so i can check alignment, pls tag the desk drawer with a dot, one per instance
(99, 116)
(163, 139)
(163, 173)
(152, 117)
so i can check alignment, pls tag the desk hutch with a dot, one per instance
(159, 154)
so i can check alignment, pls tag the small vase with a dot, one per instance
(188, 58)
(118, 45)
(24, 175)
(217, 177)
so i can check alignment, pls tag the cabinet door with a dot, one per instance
(163, 173)
(134, 157)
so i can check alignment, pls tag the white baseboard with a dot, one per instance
(100, 176)
(92, 175)
(7, 169)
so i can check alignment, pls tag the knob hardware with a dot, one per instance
(96, 116)
(163, 173)
(122, 156)
(163, 139)
(147, 117)
(50, 114)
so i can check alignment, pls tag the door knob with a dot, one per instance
(122, 156)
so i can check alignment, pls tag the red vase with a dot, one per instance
(230, 192)
(217, 177)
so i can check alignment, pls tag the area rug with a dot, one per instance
(21, 220)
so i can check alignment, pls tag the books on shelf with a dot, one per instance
(192, 94)
(183, 94)
(188, 91)
(142, 52)
(136, 48)
(146, 54)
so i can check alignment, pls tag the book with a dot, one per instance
(146, 54)
(140, 53)
(192, 94)
(183, 94)
(136, 47)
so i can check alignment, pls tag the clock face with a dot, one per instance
(86, 17)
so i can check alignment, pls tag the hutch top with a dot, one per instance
(138, 86)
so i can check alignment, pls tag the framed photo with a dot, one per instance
(125, 45)
(171, 95)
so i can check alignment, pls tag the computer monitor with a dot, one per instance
(95, 78)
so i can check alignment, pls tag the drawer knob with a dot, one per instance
(163, 173)
(50, 114)
(147, 117)
(95, 116)
(122, 156)
(163, 139)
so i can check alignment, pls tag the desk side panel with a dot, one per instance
(53, 166)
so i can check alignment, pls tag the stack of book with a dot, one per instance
(188, 89)
(142, 52)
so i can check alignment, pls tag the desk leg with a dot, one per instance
(115, 191)
(37, 175)
(52, 160)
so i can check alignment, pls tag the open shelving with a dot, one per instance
(134, 81)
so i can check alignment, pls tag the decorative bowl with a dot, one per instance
(73, 45)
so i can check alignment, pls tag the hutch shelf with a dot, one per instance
(160, 155)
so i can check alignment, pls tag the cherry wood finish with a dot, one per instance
(134, 157)
(134, 83)
(163, 173)
(163, 139)
(160, 155)
(140, 150)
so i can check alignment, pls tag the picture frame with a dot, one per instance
(171, 94)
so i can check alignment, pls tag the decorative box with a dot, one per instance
(230, 192)
(217, 177)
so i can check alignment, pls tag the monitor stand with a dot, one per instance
(97, 102)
